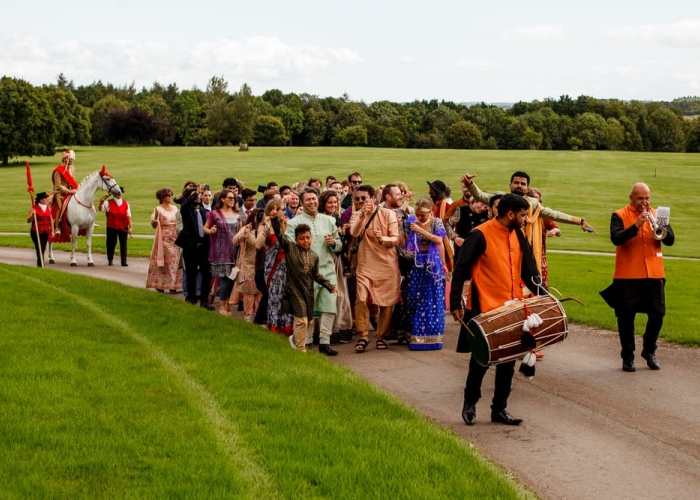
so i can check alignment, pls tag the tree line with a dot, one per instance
(35, 120)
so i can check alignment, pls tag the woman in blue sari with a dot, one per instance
(423, 311)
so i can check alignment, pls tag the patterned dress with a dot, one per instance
(164, 263)
(275, 277)
(423, 312)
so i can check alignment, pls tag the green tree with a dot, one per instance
(243, 114)
(531, 139)
(188, 116)
(590, 128)
(692, 140)
(666, 131)
(269, 131)
(73, 120)
(355, 135)
(217, 112)
(463, 135)
(292, 116)
(614, 136)
(27, 123)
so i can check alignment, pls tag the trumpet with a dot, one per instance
(658, 231)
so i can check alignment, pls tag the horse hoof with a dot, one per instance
(73, 264)
(52, 261)
(91, 264)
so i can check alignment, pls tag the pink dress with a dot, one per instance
(164, 271)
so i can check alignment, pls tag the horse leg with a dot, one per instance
(50, 248)
(88, 241)
(73, 243)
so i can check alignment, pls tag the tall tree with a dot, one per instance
(73, 120)
(243, 114)
(27, 122)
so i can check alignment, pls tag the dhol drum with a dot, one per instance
(495, 336)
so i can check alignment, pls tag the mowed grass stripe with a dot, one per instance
(254, 480)
(319, 429)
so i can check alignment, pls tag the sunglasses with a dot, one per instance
(230, 198)
(361, 198)
(356, 182)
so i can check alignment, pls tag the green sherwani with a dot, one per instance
(321, 225)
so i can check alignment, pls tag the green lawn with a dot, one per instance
(112, 392)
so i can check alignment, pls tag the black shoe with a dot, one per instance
(309, 347)
(206, 305)
(628, 365)
(335, 338)
(327, 350)
(240, 306)
(469, 414)
(110, 263)
(124, 264)
(503, 417)
(652, 362)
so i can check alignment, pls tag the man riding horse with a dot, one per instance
(64, 185)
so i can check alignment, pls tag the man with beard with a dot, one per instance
(325, 240)
(519, 184)
(497, 259)
(377, 273)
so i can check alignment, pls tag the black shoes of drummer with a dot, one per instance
(628, 365)
(503, 417)
(469, 414)
(652, 362)
(327, 350)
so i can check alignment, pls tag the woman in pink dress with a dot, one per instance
(163, 267)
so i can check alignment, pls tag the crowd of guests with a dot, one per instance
(318, 261)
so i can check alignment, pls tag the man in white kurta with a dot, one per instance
(325, 240)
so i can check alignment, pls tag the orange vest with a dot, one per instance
(496, 273)
(639, 257)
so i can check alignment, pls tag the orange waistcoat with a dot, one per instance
(641, 256)
(496, 273)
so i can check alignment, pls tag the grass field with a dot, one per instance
(146, 397)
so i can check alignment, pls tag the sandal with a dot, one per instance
(361, 345)
(381, 345)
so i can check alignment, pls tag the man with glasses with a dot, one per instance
(355, 180)
(377, 273)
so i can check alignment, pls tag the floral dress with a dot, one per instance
(164, 271)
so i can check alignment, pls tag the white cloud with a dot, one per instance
(681, 34)
(543, 33)
(252, 59)
(406, 59)
(482, 65)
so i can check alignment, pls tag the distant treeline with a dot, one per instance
(36, 120)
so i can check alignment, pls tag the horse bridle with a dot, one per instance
(110, 189)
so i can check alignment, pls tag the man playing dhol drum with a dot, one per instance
(498, 260)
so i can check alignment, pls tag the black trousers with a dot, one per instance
(44, 239)
(646, 296)
(196, 259)
(112, 236)
(504, 378)
(261, 313)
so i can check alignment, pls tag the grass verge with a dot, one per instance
(114, 392)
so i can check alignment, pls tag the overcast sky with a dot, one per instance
(496, 51)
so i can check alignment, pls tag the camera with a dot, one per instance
(262, 189)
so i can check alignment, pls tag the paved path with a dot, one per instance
(590, 430)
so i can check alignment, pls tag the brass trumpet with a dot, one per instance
(658, 231)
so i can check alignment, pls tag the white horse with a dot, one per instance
(80, 211)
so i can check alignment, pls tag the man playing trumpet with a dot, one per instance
(639, 280)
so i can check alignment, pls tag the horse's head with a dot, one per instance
(109, 184)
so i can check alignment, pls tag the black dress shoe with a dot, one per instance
(652, 362)
(207, 306)
(503, 417)
(110, 263)
(125, 265)
(327, 350)
(628, 365)
(469, 414)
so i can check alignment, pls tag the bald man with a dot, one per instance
(639, 280)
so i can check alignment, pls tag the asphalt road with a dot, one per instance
(589, 431)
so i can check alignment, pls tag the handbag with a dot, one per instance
(234, 273)
(406, 261)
